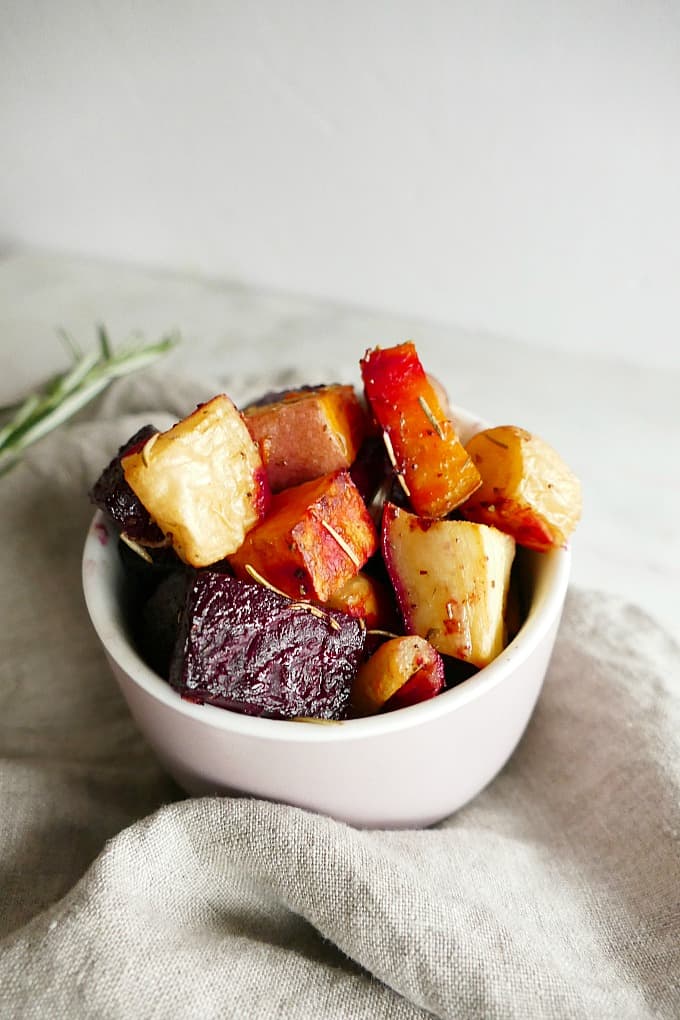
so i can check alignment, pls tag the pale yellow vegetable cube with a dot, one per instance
(451, 579)
(202, 481)
(527, 490)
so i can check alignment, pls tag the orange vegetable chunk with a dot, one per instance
(432, 464)
(315, 538)
(308, 433)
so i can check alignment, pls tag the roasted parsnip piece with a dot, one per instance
(451, 579)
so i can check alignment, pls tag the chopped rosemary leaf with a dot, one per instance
(430, 417)
(136, 547)
(346, 548)
(256, 576)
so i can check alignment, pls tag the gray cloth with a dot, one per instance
(554, 894)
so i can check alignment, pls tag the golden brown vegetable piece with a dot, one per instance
(308, 433)
(365, 597)
(451, 579)
(315, 538)
(431, 463)
(202, 481)
(399, 661)
(527, 490)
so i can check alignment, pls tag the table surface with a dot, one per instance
(614, 422)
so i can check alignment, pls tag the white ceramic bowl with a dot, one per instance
(411, 767)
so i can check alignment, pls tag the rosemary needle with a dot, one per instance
(65, 394)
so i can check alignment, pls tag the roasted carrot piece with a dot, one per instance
(430, 461)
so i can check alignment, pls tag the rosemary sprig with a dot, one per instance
(65, 394)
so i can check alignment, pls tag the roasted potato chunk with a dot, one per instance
(202, 481)
(398, 662)
(366, 598)
(527, 490)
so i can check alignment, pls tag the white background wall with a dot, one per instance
(509, 166)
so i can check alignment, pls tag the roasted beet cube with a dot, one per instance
(243, 647)
(158, 622)
(143, 575)
(112, 494)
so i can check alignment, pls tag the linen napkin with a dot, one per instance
(555, 893)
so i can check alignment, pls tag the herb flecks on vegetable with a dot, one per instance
(62, 396)
(431, 418)
(347, 549)
(263, 581)
(393, 461)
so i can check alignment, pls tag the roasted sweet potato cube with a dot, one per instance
(527, 490)
(316, 536)
(202, 481)
(431, 463)
(308, 433)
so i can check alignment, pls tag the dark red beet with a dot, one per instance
(243, 647)
(112, 494)
(142, 577)
(158, 621)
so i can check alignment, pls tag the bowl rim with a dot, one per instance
(100, 564)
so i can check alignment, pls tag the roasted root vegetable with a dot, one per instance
(112, 494)
(156, 626)
(366, 598)
(243, 647)
(451, 580)
(527, 490)
(202, 481)
(308, 433)
(430, 461)
(315, 537)
(312, 611)
(402, 662)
